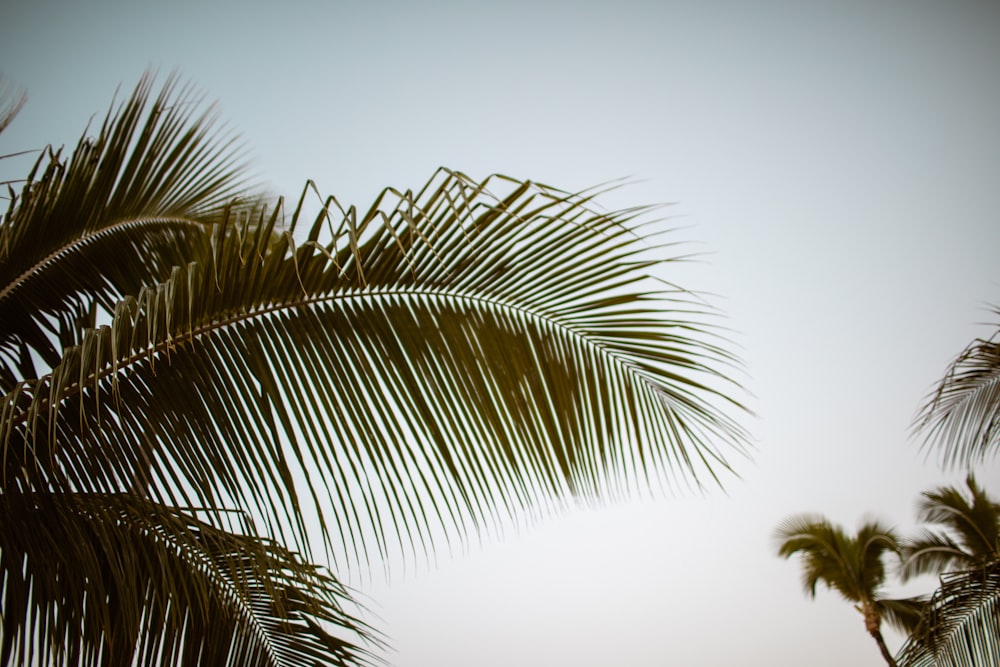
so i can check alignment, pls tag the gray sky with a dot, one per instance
(837, 164)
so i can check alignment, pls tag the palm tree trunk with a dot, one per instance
(873, 623)
(884, 649)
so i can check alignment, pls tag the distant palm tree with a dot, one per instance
(196, 390)
(961, 625)
(969, 537)
(852, 565)
(961, 416)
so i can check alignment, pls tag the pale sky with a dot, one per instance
(837, 164)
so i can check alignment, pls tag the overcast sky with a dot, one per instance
(837, 164)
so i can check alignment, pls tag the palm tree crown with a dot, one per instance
(195, 386)
(852, 565)
(969, 536)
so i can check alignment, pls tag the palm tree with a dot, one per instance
(961, 416)
(202, 394)
(970, 537)
(960, 625)
(852, 565)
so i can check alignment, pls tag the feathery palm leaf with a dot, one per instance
(970, 534)
(962, 415)
(96, 579)
(12, 100)
(904, 614)
(961, 625)
(127, 207)
(853, 565)
(444, 360)
(412, 364)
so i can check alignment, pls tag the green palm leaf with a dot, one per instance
(387, 373)
(384, 381)
(961, 625)
(969, 535)
(94, 579)
(960, 417)
(12, 100)
(128, 206)
(852, 565)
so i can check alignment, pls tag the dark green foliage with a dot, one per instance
(968, 535)
(852, 565)
(373, 382)
(961, 627)
(961, 417)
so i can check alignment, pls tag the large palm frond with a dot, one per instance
(445, 360)
(961, 625)
(128, 206)
(457, 353)
(99, 579)
(961, 416)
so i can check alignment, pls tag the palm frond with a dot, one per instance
(12, 100)
(816, 540)
(458, 355)
(904, 614)
(852, 565)
(969, 534)
(128, 206)
(961, 416)
(93, 579)
(961, 625)
(931, 553)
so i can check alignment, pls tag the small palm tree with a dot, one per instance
(854, 566)
(969, 537)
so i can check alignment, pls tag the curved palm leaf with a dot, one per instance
(128, 206)
(961, 625)
(12, 99)
(903, 613)
(95, 579)
(456, 354)
(445, 360)
(852, 565)
(962, 415)
(970, 535)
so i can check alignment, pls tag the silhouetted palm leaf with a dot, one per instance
(852, 565)
(128, 206)
(12, 100)
(961, 626)
(448, 359)
(399, 373)
(92, 577)
(962, 415)
(970, 534)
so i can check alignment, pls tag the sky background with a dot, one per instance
(836, 164)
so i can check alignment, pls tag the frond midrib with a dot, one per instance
(171, 342)
(78, 244)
